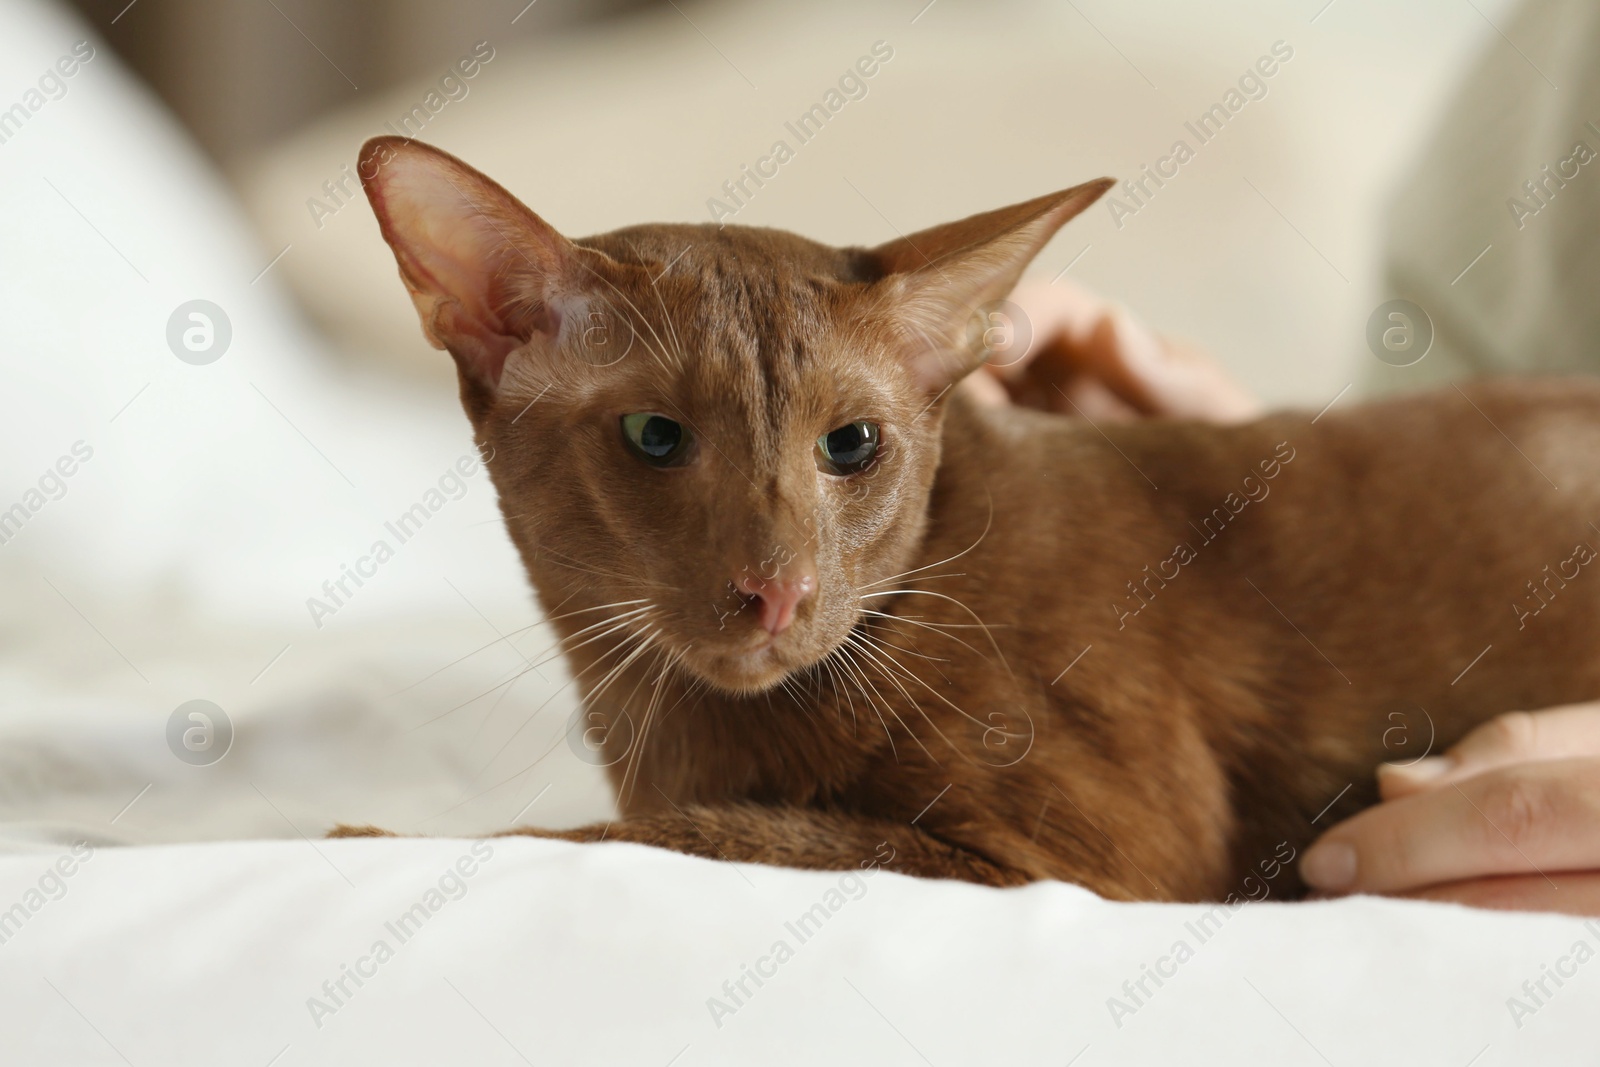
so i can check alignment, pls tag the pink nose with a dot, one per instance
(778, 598)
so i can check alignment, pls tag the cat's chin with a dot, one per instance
(745, 673)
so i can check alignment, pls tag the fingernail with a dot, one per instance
(1329, 867)
(1423, 770)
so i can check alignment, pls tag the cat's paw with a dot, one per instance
(360, 831)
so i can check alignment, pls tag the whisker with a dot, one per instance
(839, 697)
(630, 772)
(935, 627)
(982, 625)
(646, 643)
(863, 683)
(484, 722)
(531, 665)
(616, 622)
(563, 560)
(672, 328)
(609, 676)
(872, 660)
(852, 673)
(694, 686)
(987, 525)
(507, 639)
(943, 699)
(641, 316)
(879, 638)
(561, 649)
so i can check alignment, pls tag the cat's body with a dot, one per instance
(1201, 729)
(1008, 645)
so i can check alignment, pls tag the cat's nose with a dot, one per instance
(777, 598)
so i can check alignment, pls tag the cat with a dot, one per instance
(832, 613)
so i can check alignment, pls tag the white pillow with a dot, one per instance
(241, 485)
(207, 505)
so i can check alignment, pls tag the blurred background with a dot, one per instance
(1265, 249)
(241, 74)
(202, 152)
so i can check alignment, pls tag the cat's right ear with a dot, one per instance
(937, 280)
(486, 274)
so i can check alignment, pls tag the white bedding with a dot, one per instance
(553, 953)
(176, 566)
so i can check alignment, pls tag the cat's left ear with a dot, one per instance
(936, 280)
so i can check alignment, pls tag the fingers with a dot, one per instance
(1078, 395)
(1571, 892)
(1572, 730)
(1116, 349)
(1200, 388)
(1534, 818)
(1061, 309)
(1077, 336)
(985, 389)
(1093, 399)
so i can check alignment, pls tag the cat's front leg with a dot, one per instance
(807, 838)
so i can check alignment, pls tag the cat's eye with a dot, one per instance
(656, 439)
(849, 449)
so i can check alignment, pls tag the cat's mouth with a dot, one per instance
(756, 666)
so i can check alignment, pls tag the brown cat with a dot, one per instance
(832, 611)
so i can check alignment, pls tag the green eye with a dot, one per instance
(849, 449)
(656, 439)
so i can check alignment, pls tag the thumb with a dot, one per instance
(1517, 737)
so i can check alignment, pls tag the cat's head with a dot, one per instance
(718, 437)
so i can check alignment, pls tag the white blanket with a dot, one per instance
(452, 951)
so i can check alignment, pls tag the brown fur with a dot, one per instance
(921, 701)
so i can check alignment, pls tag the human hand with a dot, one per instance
(1508, 818)
(1089, 357)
